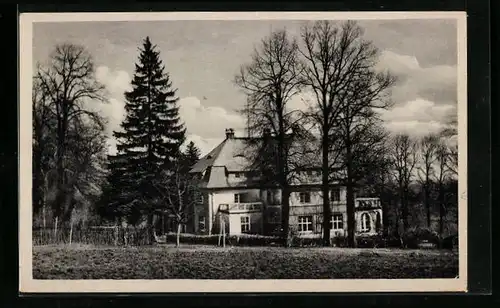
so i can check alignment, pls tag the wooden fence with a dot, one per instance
(98, 235)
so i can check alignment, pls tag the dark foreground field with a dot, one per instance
(198, 262)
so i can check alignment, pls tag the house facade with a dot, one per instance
(232, 199)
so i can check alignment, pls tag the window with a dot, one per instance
(365, 222)
(237, 175)
(305, 197)
(335, 195)
(378, 221)
(269, 197)
(239, 198)
(337, 222)
(199, 200)
(245, 224)
(305, 223)
(201, 223)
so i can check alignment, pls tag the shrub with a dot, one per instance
(413, 237)
(231, 240)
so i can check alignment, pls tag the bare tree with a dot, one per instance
(68, 83)
(428, 150)
(178, 191)
(270, 80)
(442, 175)
(404, 157)
(450, 131)
(340, 73)
(42, 144)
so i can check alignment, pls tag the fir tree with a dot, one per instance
(191, 154)
(151, 134)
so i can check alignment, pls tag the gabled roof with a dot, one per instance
(230, 154)
(208, 160)
(236, 154)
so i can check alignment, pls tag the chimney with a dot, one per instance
(229, 133)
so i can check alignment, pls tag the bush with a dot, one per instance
(413, 237)
(307, 241)
(231, 240)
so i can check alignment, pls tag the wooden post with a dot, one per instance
(223, 233)
(115, 240)
(71, 231)
(55, 230)
(220, 231)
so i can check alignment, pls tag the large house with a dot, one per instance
(231, 196)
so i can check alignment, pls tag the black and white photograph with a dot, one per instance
(219, 152)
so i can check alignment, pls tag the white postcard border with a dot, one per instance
(30, 285)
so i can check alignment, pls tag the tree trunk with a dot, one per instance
(55, 228)
(178, 236)
(428, 203)
(44, 219)
(325, 189)
(351, 218)
(150, 227)
(70, 232)
(386, 205)
(404, 206)
(441, 209)
(62, 125)
(285, 215)
(38, 182)
(223, 233)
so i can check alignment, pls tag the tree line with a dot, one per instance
(335, 63)
(76, 181)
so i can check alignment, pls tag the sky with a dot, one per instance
(202, 58)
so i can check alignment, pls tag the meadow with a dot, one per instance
(78, 261)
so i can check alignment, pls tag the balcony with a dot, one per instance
(367, 203)
(241, 207)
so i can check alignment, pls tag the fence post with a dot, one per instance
(223, 233)
(70, 232)
(55, 230)
(116, 236)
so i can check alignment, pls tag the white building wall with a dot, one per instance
(256, 223)
(214, 199)
(227, 197)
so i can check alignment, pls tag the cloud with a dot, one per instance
(425, 98)
(205, 124)
(435, 83)
(418, 117)
(116, 83)
(204, 144)
(208, 121)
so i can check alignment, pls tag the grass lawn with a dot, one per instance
(207, 262)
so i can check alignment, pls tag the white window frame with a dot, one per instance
(237, 175)
(335, 220)
(237, 198)
(304, 193)
(366, 222)
(200, 200)
(305, 223)
(245, 224)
